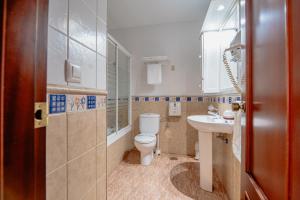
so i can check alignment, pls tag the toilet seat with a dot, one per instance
(144, 139)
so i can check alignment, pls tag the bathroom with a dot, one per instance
(129, 44)
(161, 99)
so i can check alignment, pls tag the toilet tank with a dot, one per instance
(149, 123)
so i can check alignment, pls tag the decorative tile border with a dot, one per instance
(167, 99)
(212, 99)
(222, 99)
(76, 103)
(60, 103)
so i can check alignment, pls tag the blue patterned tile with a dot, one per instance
(177, 99)
(57, 103)
(147, 99)
(91, 102)
(230, 100)
(189, 99)
(156, 99)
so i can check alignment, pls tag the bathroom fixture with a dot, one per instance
(222, 137)
(73, 72)
(154, 73)
(174, 109)
(155, 59)
(235, 50)
(213, 111)
(228, 114)
(206, 125)
(145, 141)
(154, 69)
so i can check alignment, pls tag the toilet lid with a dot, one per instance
(144, 139)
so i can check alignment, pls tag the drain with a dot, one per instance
(173, 158)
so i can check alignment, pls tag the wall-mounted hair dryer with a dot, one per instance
(235, 50)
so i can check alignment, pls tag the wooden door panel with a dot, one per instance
(23, 82)
(268, 159)
(294, 55)
(267, 144)
(272, 139)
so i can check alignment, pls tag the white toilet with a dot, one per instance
(145, 142)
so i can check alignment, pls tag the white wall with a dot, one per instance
(77, 32)
(180, 42)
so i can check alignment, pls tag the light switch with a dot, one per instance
(73, 73)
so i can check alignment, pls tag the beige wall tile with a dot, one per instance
(101, 160)
(101, 126)
(227, 166)
(56, 184)
(81, 175)
(56, 142)
(81, 132)
(115, 151)
(101, 188)
(91, 195)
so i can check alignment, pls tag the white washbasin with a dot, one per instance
(212, 124)
(206, 125)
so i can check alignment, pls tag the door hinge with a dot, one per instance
(40, 114)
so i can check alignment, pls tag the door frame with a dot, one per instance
(24, 27)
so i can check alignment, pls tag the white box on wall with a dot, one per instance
(154, 74)
(174, 109)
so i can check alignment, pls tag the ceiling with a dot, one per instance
(134, 13)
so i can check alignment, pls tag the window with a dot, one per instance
(118, 86)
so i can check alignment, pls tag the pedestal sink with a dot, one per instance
(206, 126)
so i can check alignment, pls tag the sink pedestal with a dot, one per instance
(206, 126)
(206, 168)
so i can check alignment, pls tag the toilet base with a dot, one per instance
(146, 158)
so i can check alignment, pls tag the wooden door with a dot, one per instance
(271, 139)
(294, 75)
(23, 82)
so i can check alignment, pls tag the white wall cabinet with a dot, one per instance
(215, 78)
(214, 41)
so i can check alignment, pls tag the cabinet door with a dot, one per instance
(210, 61)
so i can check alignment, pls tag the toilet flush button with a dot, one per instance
(73, 73)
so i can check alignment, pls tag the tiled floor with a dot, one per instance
(167, 178)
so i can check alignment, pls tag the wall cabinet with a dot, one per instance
(214, 41)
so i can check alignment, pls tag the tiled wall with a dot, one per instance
(77, 32)
(115, 151)
(176, 135)
(76, 135)
(226, 165)
(76, 149)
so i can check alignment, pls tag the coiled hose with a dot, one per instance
(230, 75)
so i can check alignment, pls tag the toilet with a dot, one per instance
(145, 142)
